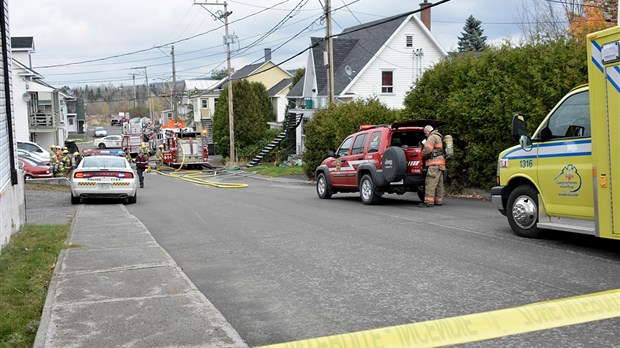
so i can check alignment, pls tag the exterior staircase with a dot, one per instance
(291, 123)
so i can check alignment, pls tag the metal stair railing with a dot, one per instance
(289, 127)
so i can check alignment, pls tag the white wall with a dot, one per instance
(20, 109)
(400, 59)
(12, 209)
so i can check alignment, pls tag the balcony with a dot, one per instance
(43, 120)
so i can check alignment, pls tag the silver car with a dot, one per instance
(104, 176)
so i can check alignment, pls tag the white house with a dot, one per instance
(12, 206)
(41, 114)
(381, 59)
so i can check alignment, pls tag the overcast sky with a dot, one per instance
(74, 31)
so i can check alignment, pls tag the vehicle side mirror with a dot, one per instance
(518, 126)
(331, 153)
(526, 143)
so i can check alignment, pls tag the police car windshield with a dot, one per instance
(104, 162)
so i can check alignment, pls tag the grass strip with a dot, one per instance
(26, 266)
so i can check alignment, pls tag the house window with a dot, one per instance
(409, 41)
(204, 103)
(387, 84)
(215, 101)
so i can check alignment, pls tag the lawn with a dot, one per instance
(271, 170)
(26, 267)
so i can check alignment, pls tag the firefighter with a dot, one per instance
(53, 159)
(142, 162)
(159, 157)
(436, 165)
(67, 162)
(127, 155)
(77, 158)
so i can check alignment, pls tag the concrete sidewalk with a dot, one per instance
(119, 288)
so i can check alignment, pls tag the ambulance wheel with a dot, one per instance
(522, 211)
(367, 191)
(322, 187)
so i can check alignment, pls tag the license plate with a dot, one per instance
(104, 186)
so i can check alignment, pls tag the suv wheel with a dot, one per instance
(367, 191)
(322, 187)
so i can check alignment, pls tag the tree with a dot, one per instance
(472, 39)
(252, 110)
(594, 15)
(299, 74)
(218, 74)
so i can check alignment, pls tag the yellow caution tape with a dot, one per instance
(479, 326)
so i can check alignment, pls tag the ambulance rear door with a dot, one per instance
(604, 78)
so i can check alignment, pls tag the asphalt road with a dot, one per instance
(282, 265)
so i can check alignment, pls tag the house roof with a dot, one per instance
(355, 47)
(201, 85)
(22, 43)
(275, 90)
(297, 91)
(27, 71)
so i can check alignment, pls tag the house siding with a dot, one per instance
(12, 206)
(400, 59)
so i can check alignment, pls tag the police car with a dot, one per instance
(106, 174)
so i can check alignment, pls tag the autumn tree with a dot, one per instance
(472, 39)
(593, 15)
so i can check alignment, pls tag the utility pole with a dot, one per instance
(330, 52)
(133, 77)
(148, 90)
(174, 90)
(228, 39)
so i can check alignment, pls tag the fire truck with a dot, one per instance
(137, 136)
(562, 177)
(184, 148)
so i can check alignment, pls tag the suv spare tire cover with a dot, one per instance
(394, 164)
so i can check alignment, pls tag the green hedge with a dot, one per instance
(478, 93)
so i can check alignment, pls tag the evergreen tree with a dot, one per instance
(472, 39)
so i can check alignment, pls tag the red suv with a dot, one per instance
(376, 160)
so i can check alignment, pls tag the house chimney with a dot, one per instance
(267, 54)
(425, 14)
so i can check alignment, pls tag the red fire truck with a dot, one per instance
(183, 148)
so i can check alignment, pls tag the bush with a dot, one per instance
(478, 93)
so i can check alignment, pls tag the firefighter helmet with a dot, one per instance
(161, 146)
(53, 147)
(76, 153)
(65, 151)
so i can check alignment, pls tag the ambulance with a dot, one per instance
(562, 177)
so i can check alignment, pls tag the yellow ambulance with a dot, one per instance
(562, 177)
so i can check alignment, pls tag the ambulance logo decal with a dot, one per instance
(569, 181)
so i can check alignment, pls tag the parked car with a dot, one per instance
(33, 157)
(100, 132)
(33, 170)
(33, 147)
(104, 176)
(111, 141)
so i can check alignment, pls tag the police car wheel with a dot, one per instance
(75, 200)
(322, 187)
(522, 211)
(367, 191)
(101, 146)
